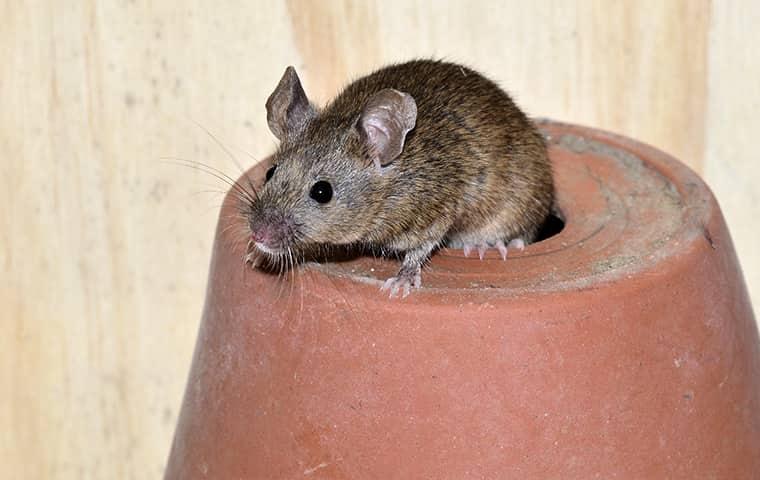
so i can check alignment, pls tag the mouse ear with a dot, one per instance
(386, 119)
(288, 109)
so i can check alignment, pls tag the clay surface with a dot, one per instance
(622, 347)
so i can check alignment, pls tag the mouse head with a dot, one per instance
(325, 184)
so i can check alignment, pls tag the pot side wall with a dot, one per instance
(652, 372)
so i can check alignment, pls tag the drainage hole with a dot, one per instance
(552, 226)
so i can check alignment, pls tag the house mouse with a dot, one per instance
(412, 157)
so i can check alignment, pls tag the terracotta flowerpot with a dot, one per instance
(622, 347)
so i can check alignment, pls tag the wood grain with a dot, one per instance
(731, 166)
(104, 244)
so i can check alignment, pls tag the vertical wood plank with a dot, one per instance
(731, 167)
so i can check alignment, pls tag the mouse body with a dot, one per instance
(409, 158)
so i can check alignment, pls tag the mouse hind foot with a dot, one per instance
(482, 247)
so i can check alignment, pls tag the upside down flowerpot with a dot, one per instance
(624, 346)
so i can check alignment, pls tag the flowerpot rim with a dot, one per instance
(627, 207)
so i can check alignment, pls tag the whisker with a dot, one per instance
(228, 227)
(214, 172)
(292, 272)
(232, 157)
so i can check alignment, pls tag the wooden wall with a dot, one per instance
(104, 247)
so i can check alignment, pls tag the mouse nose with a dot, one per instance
(261, 234)
(270, 231)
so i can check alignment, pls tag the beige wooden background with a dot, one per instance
(104, 248)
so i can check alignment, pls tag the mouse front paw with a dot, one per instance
(402, 283)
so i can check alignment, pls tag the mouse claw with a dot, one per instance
(401, 285)
(502, 249)
(467, 248)
(389, 285)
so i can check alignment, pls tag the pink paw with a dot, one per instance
(517, 243)
(401, 283)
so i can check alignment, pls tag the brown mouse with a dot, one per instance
(412, 157)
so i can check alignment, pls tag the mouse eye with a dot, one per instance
(321, 191)
(270, 172)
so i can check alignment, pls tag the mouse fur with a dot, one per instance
(417, 155)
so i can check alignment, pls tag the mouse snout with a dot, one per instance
(270, 231)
